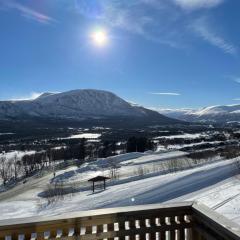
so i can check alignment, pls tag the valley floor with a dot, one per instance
(216, 185)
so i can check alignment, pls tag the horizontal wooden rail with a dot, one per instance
(213, 225)
(175, 221)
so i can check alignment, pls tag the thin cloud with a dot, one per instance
(202, 29)
(133, 17)
(31, 96)
(236, 99)
(159, 21)
(235, 79)
(197, 4)
(27, 12)
(165, 93)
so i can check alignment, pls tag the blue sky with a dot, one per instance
(159, 53)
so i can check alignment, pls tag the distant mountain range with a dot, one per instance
(215, 114)
(78, 105)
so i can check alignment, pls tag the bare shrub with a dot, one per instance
(54, 193)
(140, 171)
(113, 169)
(5, 169)
(172, 165)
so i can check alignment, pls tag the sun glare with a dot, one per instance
(99, 38)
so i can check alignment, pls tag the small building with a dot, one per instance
(98, 179)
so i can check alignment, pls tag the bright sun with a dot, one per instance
(99, 38)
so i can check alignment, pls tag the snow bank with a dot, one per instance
(85, 135)
(185, 136)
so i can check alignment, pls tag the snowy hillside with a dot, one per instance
(213, 183)
(76, 104)
(226, 113)
(177, 113)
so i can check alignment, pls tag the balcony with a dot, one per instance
(175, 221)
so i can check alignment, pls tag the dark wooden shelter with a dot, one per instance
(98, 179)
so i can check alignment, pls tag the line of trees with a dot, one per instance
(9, 168)
(15, 168)
(141, 144)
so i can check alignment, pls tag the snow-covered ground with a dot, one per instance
(128, 165)
(215, 185)
(3, 134)
(180, 146)
(85, 135)
(185, 136)
(18, 154)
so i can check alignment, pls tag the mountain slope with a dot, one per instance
(76, 105)
(221, 114)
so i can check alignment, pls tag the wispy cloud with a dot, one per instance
(203, 29)
(234, 78)
(160, 21)
(26, 11)
(146, 18)
(236, 99)
(197, 4)
(165, 93)
(31, 96)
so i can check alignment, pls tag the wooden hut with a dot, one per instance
(98, 179)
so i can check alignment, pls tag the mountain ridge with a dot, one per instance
(77, 104)
(218, 113)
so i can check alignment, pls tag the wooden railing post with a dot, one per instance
(172, 231)
(163, 224)
(99, 229)
(88, 230)
(181, 230)
(65, 232)
(142, 233)
(40, 235)
(189, 230)
(76, 228)
(121, 227)
(110, 228)
(152, 222)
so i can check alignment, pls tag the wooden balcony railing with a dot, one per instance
(176, 221)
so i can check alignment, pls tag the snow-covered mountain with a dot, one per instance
(223, 114)
(77, 105)
(176, 113)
